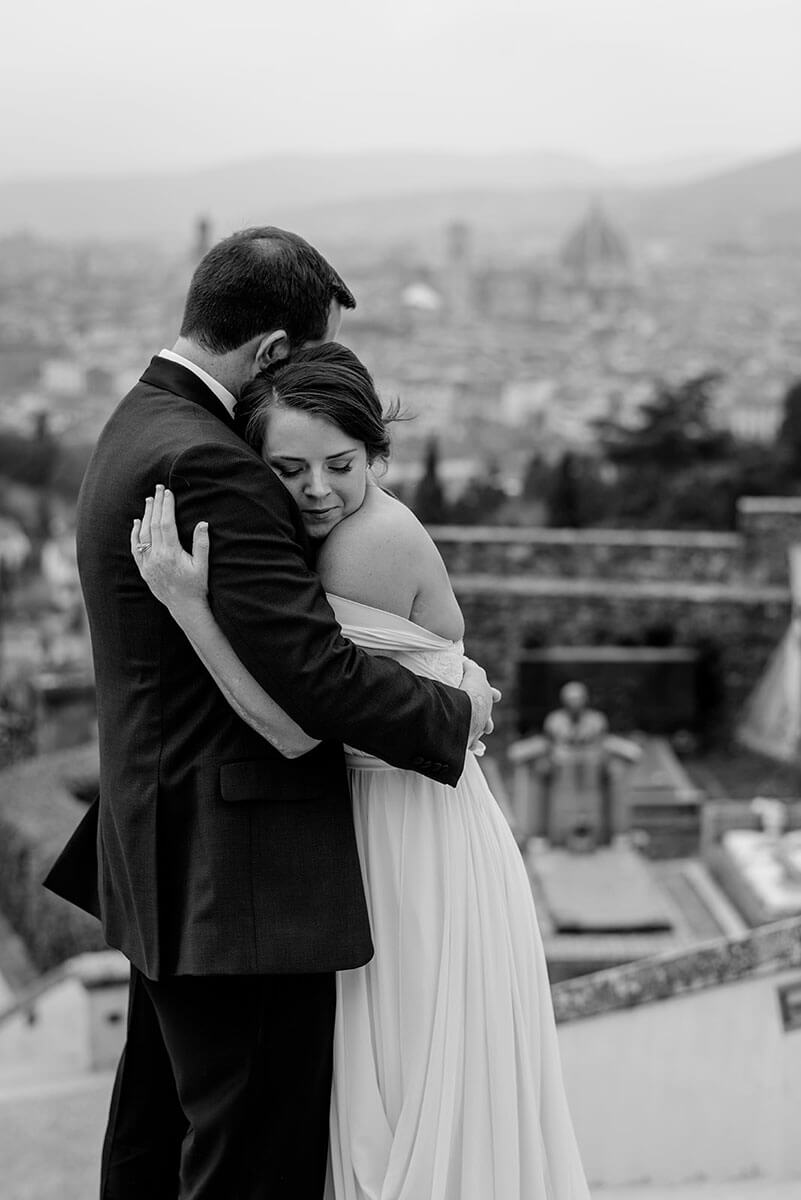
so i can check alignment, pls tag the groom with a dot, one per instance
(227, 874)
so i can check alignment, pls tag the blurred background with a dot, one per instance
(573, 229)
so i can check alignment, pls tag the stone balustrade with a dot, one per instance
(769, 950)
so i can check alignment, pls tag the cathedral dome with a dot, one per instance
(595, 247)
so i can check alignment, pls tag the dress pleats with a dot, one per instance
(447, 1080)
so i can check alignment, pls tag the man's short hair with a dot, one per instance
(258, 280)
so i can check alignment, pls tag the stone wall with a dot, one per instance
(768, 525)
(613, 554)
(724, 595)
(687, 1065)
(737, 629)
(755, 554)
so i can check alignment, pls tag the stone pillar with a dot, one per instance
(769, 526)
(458, 273)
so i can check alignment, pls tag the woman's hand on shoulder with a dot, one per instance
(177, 578)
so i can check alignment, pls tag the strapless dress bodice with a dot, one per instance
(419, 650)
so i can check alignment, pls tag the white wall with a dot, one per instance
(706, 1085)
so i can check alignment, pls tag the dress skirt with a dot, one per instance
(447, 1079)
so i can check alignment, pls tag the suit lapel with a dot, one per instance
(172, 377)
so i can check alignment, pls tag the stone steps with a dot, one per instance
(53, 1108)
(51, 1134)
(50, 1137)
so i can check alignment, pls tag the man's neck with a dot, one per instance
(218, 366)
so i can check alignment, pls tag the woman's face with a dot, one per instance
(324, 468)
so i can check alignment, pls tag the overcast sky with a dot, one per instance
(115, 85)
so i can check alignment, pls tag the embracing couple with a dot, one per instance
(338, 987)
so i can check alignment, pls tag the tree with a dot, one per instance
(429, 502)
(762, 469)
(28, 460)
(677, 430)
(481, 500)
(677, 467)
(563, 497)
(789, 435)
(536, 478)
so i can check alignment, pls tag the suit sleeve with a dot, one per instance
(274, 612)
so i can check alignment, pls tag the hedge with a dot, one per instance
(38, 813)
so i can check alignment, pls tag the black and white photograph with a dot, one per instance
(400, 600)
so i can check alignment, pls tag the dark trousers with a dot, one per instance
(223, 1090)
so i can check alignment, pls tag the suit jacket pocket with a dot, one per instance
(310, 777)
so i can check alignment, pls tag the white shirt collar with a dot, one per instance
(223, 395)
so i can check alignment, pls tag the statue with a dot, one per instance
(773, 815)
(570, 775)
(784, 843)
(575, 725)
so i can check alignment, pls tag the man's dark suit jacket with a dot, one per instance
(213, 854)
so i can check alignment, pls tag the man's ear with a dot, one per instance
(271, 349)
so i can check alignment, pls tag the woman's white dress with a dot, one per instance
(447, 1080)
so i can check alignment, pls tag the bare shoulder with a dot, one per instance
(380, 555)
(383, 556)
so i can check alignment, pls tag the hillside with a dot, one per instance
(760, 199)
(261, 190)
(514, 201)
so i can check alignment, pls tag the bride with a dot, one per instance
(447, 1081)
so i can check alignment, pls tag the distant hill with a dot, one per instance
(760, 199)
(258, 191)
(506, 224)
(514, 200)
(667, 172)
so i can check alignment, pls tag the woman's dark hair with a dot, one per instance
(325, 381)
(258, 280)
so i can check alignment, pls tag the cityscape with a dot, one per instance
(472, 342)
(507, 364)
